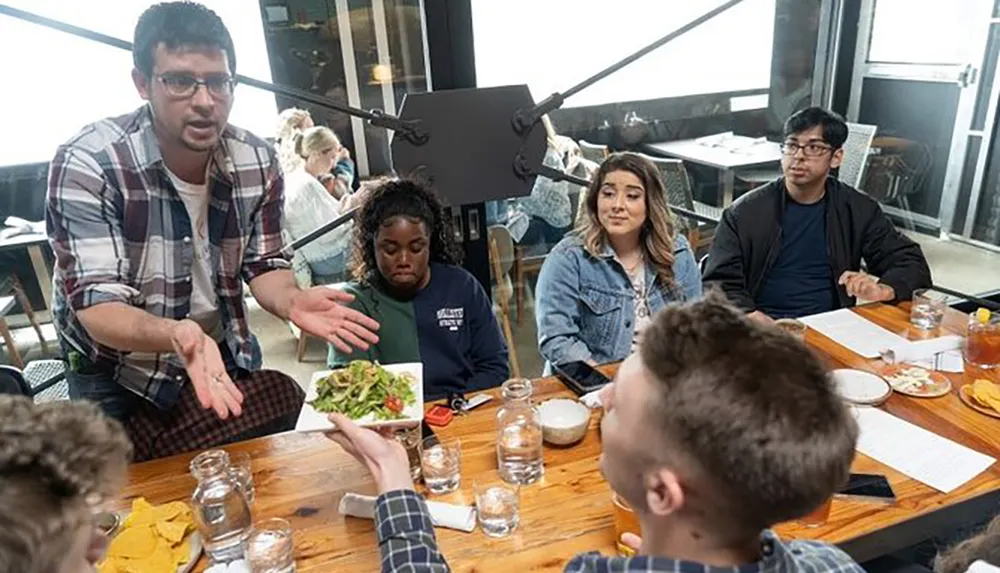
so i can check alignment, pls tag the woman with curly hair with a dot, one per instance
(406, 276)
(58, 462)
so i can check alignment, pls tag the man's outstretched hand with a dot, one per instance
(205, 368)
(321, 311)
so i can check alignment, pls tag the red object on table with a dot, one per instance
(439, 416)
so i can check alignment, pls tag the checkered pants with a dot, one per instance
(271, 404)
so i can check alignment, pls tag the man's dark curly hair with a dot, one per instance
(179, 24)
(405, 198)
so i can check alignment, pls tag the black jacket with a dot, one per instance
(748, 239)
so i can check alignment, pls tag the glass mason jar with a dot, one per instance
(519, 435)
(220, 509)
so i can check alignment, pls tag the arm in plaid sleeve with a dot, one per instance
(265, 243)
(84, 218)
(406, 535)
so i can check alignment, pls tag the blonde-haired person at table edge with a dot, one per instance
(973, 553)
(58, 462)
(158, 218)
(740, 429)
(622, 263)
(794, 247)
(309, 206)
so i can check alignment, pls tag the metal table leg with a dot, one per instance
(727, 184)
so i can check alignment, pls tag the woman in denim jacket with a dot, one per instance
(622, 263)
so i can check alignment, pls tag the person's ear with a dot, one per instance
(837, 159)
(664, 494)
(142, 83)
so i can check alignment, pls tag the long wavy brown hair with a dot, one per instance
(657, 235)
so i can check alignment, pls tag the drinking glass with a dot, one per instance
(241, 471)
(982, 345)
(411, 440)
(927, 309)
(497, 507)
(441, 465)
(270, 548)
(626, 521)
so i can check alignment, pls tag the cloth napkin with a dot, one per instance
(592, 400)
(934, 353)
(460, 517)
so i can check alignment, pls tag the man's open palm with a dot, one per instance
(321, 311)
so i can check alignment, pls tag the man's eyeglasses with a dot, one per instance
(219, 86)
(809, 149)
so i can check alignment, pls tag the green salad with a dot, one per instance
(364, 388)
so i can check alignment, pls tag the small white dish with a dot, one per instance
(564, 421)
(312, 421)
(860, 387)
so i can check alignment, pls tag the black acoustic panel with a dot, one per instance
(469, 157)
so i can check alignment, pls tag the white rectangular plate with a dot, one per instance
(312, 421)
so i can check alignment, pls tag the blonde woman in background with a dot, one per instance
(308, 205)
(291, 122)
(58, 463)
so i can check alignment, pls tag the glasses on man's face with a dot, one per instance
(219, 86)
(809, 150)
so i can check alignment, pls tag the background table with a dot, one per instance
(302, 478)
(34, 243)
(725, 160)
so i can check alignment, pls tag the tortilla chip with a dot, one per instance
(135, 542)
(111, 565)
(986, 394)
(182, 552)
(142, 513)
(171, 531)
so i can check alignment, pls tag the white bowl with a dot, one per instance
(564, 421)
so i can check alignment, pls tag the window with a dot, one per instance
(555, 44)
(61, 82)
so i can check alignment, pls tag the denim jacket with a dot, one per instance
(585, 305)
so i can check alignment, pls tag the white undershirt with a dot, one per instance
(204, 299)
(641, 318)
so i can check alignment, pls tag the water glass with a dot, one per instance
(411, 440)
(441, 465)
(242, 473)
(270, 548)
(497, 507)
(927, 309)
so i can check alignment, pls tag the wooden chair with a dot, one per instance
(593, 151)
(501, 261)
(12, 291)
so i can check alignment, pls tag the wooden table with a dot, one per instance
(725, 160)
(302, 478)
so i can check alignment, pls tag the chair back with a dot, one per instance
(505, 248)
(856, 148)
(594, 151)
(12, 382)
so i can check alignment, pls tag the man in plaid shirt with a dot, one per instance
(157, 218)
(741, 429)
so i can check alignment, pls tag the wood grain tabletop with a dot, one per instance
(301, 478)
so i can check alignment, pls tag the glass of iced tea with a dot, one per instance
(626, 521)
(819, 516)
(982, 343)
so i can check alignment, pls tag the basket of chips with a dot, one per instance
(154, 539)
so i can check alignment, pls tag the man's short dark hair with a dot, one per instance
(748, 414)
(176, 25)
(834, 126)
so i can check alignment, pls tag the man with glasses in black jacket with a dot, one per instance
(795, 246)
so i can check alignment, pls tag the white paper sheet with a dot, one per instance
(923, 455)
(853, 332)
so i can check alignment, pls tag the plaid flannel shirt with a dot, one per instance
(121, 233)
(407, 542)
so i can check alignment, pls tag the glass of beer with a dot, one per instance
(819, 516)
(626, 521)
(982, 344)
